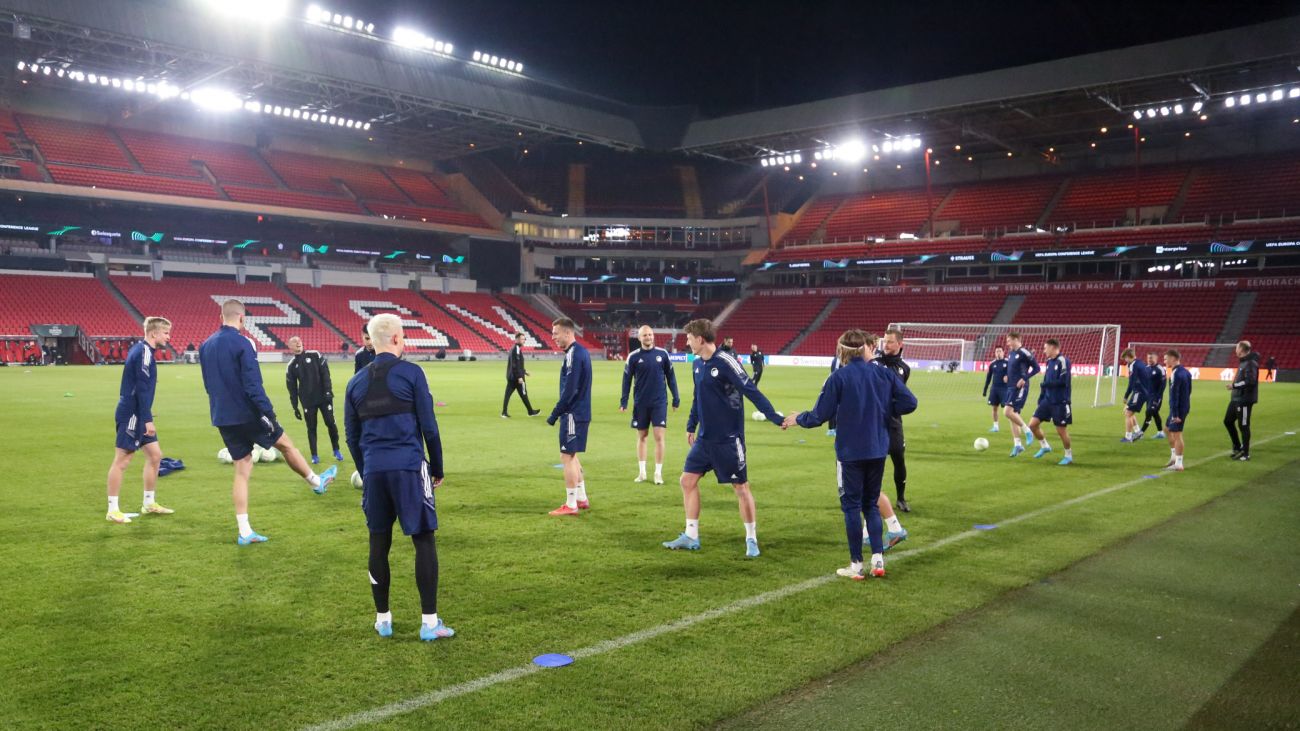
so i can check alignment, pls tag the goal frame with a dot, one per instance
(1108, 349)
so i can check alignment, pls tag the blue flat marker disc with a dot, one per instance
(1149, 477)
(985, 526)
(552, 660)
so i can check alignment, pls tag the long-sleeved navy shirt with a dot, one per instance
(396, 441)
(363, 358)
(1157, 382)
(1055, 386)
(1180, 392)
(575, 385)
(1139, 380)
(139, 379)
(718, 407)
(997, 375)
(233, 379)
(864, 397)
(650, 369)
(1021, 365)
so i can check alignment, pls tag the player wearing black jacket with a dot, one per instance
(1245, 392)
(365, 354)
(515, 375)
(308, 379)
(892, 357)
(756, 361)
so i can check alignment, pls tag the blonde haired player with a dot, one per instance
(134, 417)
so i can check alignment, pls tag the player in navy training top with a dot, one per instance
(715, 432)
(1157, 397)
(1054, 401)
(389, 424)
(365, 354)
(1021, 367)
(650, 368)
(1136, 396)
(995, 386)
(573, 412)
(242, 413)
(134, 417)
(1180, 404)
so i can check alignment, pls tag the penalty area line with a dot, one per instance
(424, 700)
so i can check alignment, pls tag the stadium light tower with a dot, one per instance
(216, 99)
(257, 10)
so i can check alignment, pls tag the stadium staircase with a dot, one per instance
(726, 312)
(101, 273)
(300, 302)
(1234, 325)
(1176, 205)
(577, 190)
(813, 326)
(1052, 203)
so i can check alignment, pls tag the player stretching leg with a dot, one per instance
(718, 412)
(134, 417)
(866, 400)
(1054, 401)
(573, 411)
(651, 368)
(1180, 403)
(1157, 397)
(995, 387)
(244, 415)
(1021, 367)
(1137, 396)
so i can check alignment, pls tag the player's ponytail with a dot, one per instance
(853, 344)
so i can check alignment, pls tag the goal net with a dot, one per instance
(1093, 351)
(1194, 355)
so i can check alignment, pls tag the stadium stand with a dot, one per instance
(419, 213)
(1107, 199)
(874, 313)
(94, 178)
(319, 175)
(1274, 326)
(882, 214)
(160, 154)
(812, 219)
(84, 301)
(60, 140)
(1012, 204)
(428, 326)
(1253, 188)
(772, 322)
(291, 199)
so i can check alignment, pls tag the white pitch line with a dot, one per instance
(397, 708)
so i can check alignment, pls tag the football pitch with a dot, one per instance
(166, 622)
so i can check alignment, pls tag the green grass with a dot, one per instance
(1139, 636)
(166, 622)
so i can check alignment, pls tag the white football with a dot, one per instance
(223, 456)
(257, 453)
(981, 444)
(757, 416)
(356, 480)
(270, 455)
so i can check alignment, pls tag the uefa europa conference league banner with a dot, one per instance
(1226, 283)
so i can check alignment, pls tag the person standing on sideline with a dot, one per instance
(1157, 397)
(244, 415)
(892, 358)
(573, 412)
(308, 379)
(515, 375)
(650, 367)
(1180, 403)
(756, 362)
(866, 398)
(134, 417)
(1021, 367)
(1137, 396)
(1245, 393)
(365, 354)
(390, 426)
(1054, 401)
(995, 386)
(719, 413)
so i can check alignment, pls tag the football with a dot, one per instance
(257, 453)
(223, 456)
(757, 416)
(356, 480)
(981, 444)
(270, 455)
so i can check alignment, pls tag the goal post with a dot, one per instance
(1194, 355)
(1093, 350)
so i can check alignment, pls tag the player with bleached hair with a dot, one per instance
(134, 416)
(651, 369)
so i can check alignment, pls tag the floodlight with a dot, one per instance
(817, 155)
(519, 69)
(1164, 111)
(1244, 100)
(47, 70)
(887, 147)
(370, 27)
(1293, 94)
(403, 36)
(1178, 109)
(103, 81)
(117, 83)
(262, 10)
(1196, 107)
(252, 106)
(1276, 95)
(1137, 113)
(22, 65)
(297, 114)
(337, 19)
(347, 22)
(798, 158)
(93, 78)
(478, 56)
(1151, 113)
(763, 162)
(365, 126)
(851, 151)
(916, 143)
(216, 99)
(313, 12)
(1230, 102)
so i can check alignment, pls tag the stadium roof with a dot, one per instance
(442, 105)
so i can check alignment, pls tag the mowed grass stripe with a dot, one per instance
(1138, 636)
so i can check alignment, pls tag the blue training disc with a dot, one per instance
(553, 660)
(1149, 477)
(985, 526)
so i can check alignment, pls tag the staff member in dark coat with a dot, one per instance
(365, 354)
(756, 360)
(892, 358)
(1245, 393)
(515, 375)
(388, 417)
(308, 379)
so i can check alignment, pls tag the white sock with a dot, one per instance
(582, 491)
(1172, 453)
(855, 567)
(430, 620)
(148, 497)
(1017, 441)
(313, 479)
(659, 470)
(383, 617)
(112, 504)
(877, 558)
(1044, 443)
(1178, 460)
(693, 529)
(641, 468)
(1069, 453)
(245, 530)
(894, 525)
(751, 531)
(571, 497)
